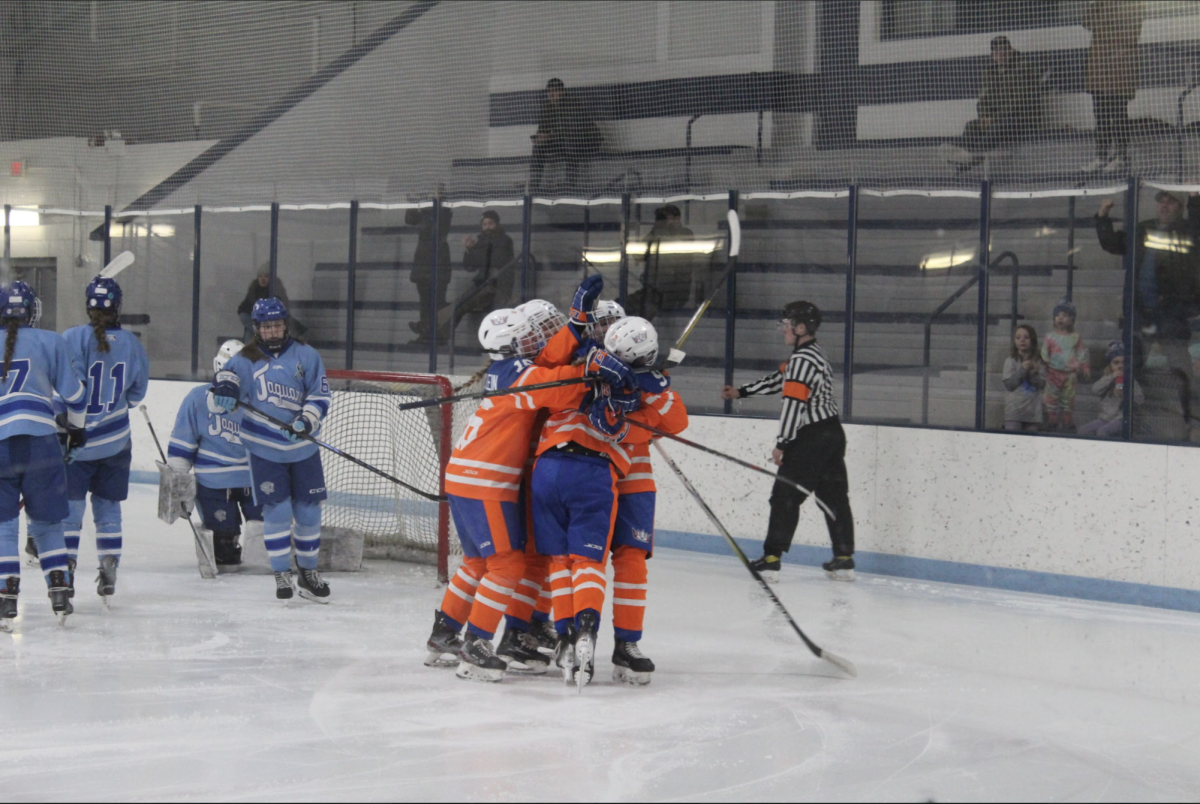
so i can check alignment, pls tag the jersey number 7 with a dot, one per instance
(96, 380)
(18, 370)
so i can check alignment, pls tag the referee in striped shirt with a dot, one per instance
(810, 448)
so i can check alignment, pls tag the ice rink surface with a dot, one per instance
(211, 690)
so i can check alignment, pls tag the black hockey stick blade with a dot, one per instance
(745, 464)
(341, 453)
(844, 664)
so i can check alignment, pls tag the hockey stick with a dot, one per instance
(828, 512)
(512, 389)
(119, 263)
(208, 567)
(288, 428)
(844, 664)
(735, 246)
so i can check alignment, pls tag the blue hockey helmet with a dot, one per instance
(104, 294)
(269, 309)
(20, 302)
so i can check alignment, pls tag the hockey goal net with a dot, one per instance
(412, 445)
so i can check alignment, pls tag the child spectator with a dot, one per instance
(1024, 378)
(1065, 357)
(1111, 390)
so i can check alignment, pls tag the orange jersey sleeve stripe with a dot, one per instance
(796, 390)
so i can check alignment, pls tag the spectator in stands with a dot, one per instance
(566, 133)
(1065, 357)
(1024, 378)
(1111, 390)
(260, 288)
(1112, 77)
(1009, 105)
(666, 277)
(422, 271)
(489, 256)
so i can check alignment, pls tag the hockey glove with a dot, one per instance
(305, 424)
(225, 389)
(625, 400)
(606, 421)
(609, 369)
(76, 440)
(582, 314)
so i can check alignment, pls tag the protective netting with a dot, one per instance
(364, 421)
(157, 105)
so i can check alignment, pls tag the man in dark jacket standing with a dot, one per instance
(566, 133)
(489, 256)
(1009, 105)
(1166, 295)
(422, 271)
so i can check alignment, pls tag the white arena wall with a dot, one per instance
(1098, 520)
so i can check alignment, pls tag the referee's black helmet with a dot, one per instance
(803, 312)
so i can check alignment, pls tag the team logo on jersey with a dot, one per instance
(267, 487)
(220, 426)
(220, 515)
(274, 393)
(641, 535)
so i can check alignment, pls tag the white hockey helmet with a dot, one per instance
(633, 340)
(544, 316)
(507, 332)
(228, 349)
(607, 313)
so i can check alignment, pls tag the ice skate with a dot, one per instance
(227, 552)
(564, 654)
(312, 587)
(106, 581)
(840, 569)
(629, 665)
(59, 603)
(547, 638)
(479, 661)
(767, 568)
(284, 585)
(8, 604)
(585, 650)
(519, 650)
(31, 553)
(444, 643)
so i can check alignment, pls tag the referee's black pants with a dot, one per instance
(816, 459)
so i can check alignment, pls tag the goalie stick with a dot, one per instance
(843, 664)
(282, 425)
(204, 551)
(746, 464)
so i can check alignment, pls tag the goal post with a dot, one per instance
(364, 420)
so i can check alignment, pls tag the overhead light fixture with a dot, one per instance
(24, 217)
(947, 259)
(118, 230)
(637, 249)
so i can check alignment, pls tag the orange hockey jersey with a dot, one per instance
(665, 411)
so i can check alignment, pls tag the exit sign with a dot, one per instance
(18, 168)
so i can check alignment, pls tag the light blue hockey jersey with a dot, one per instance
(282, 387)
(41, 366)
(207, 437)
(116, 380)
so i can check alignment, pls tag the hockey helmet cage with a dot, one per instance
(607, 313)
(228, 349)
(507, 332)
(20, 302)
(544, 316)
(633, 340)
(803, 312)
(104, 293)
